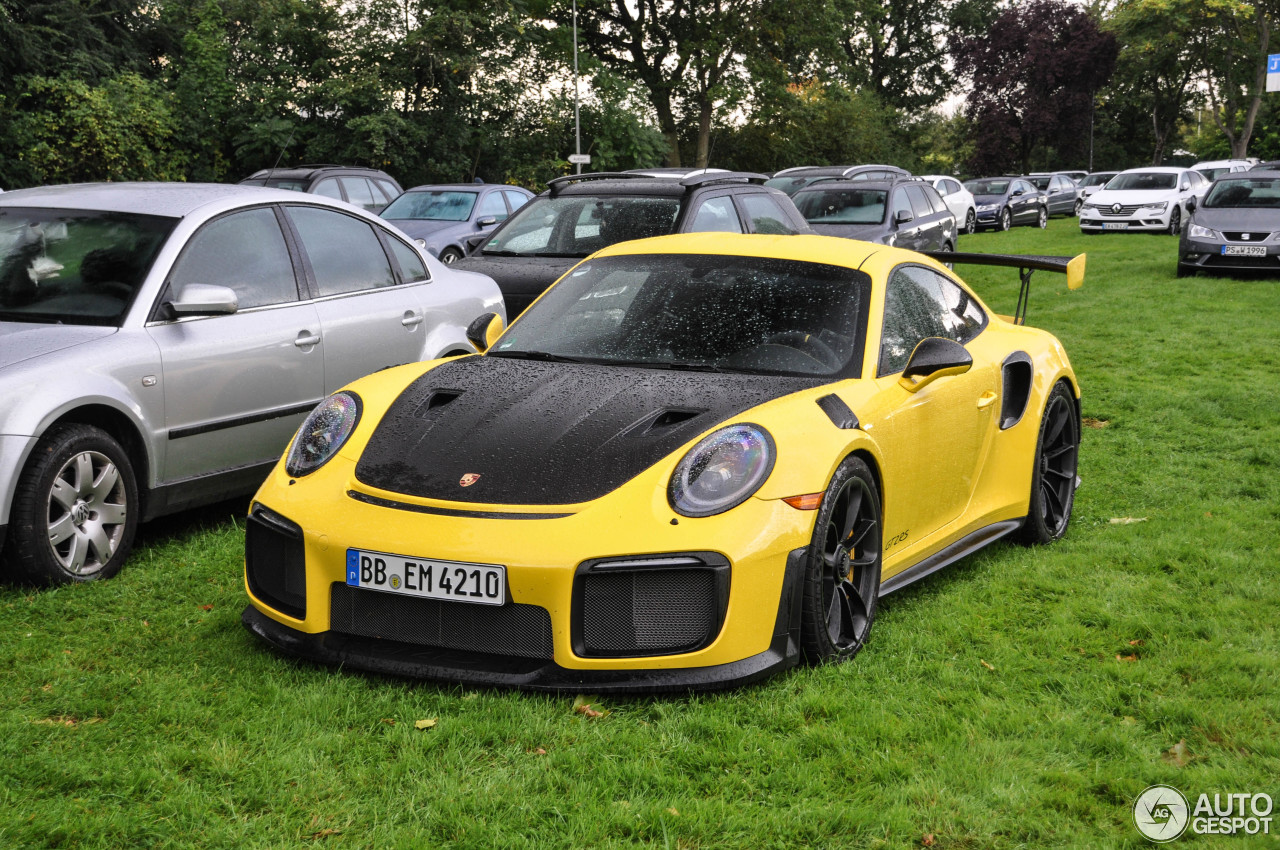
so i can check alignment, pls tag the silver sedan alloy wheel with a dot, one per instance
(87, 511)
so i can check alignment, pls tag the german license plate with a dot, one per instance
(452, 581)
(1244, 250)
(1115, 225)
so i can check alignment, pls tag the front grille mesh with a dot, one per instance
(511, 629)
(275, 562)
(1250, 236)
(648, 612)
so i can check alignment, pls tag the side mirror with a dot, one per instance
(1191, 204)
(484, 330)
(487, 221)
(934, 358)
(196, 299)
(1017, 192)
(902, 217)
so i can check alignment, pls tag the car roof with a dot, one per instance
(1218, 163)
(172, 200)
(460, 187)
(1272, 173)
(674, 186)
(308, 170)
(1155, 169)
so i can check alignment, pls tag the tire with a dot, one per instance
(1079, 204)
(63, 529)
(1006, 219)
(971, 222)
(842, 576)
(947, 247)
(1043, 221)
(1175, 222)
(450, 255)
(1053, 477)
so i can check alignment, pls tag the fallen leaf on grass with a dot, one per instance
(65, 720)
(206, 607)
(325, 833)
(1177, 755)
(1126, 520)
(985, 664)
(540, 751)
(1138, 642)
(1090, 422)
(1128, 720)
(390, 721)
(673, 811)
(46, 688)
(928, 840)
(1126, 658)
(583, 705)
(428, 723)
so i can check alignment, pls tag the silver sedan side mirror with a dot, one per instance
(205, 298)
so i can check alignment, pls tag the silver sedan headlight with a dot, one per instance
(1195, 231)
(721, 471)
(1157, 207)
(322, 433)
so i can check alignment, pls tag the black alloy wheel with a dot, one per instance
(1006, 219)
(1053, 479)
(1175, 222)
(75, 509)
(842, 579)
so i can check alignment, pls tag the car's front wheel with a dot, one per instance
(971, 222)
(1043, 221)
(1006, 219)
(450, 255)
(1175, 222)
(842, 577)
(1053, 478)
(1079, 204)
(75, 509)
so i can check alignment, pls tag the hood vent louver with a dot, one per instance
(436, 400)
(667, 419)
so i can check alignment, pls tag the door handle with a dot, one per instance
(306, 338)
(411, 319)
(986, 399)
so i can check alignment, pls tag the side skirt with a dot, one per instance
(204, 490)
(966, 545)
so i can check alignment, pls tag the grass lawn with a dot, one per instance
(1023, 697)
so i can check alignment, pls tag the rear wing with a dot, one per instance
(1026, 264)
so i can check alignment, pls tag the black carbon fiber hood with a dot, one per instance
(540, 433)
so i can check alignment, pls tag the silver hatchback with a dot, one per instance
(160, 344)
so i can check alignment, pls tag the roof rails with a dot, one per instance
(558, 184)
(722, 177)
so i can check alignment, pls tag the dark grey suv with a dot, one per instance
(907, 213)
(365, 187)
(580, 214)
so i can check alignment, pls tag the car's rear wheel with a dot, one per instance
(1175, 222)
(842, 579)
(1053, 478)
(450, 255)
(1043, 221)
(1006, 219)
(75, 509)
(971, 222)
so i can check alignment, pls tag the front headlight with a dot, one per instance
(1160, 207)
(988, 207)
(721, 471)
(322, 433)
(1089, 207)
(1195, 231)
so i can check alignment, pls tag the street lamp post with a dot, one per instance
(577, 126)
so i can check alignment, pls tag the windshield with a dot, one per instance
(1214, 173)
(1144, 181)
(987, 187)
(431, 206)
(1096, 179)
(1257, 192)
(842, 206)
(701, 312)
(580, 225)
(68, 266)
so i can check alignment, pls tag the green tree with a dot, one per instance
(1232, 41)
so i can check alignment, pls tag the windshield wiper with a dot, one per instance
(545, 356)
(676, 366)
(489, 253)
(571, 256)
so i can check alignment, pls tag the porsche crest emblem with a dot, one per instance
(468, 479)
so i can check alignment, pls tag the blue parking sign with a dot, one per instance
(1273, 63)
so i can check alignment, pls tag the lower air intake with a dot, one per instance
(511, 629)
(648, 612)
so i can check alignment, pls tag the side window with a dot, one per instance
(515, 199)
(766, 215)
(359, 192)
(901, 204)
(716, 215)
(345, 254)
(245, 251)
(492, 206)
(329, 188)
(939, 206)
(944, 188)
(411, 265)
(388, 188)
(921, 303)
(380, 198)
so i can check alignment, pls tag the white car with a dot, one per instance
(1214, 168)
(957, 198)
(1145, 199)
(1095, 182)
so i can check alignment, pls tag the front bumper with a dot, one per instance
(990, 218)
(394, 658)
(1199, 255)
(1090, 221)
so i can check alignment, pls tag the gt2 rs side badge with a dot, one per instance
(468, 479)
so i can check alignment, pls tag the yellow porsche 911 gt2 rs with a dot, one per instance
(693, 462)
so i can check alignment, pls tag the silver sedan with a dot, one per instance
(160, 344)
